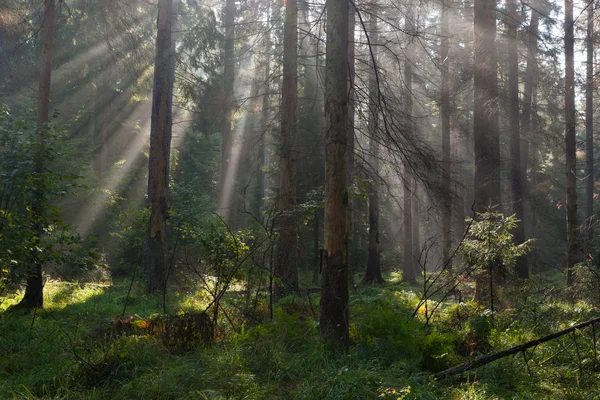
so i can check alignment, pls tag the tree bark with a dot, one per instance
(373, 271)
(34, 296)
(408, 271)
(105, 114)
(265, 113)
(334, 318)
(157, 241)
(350, 145)
(485, 108)
(589, 132)
(316, 249)
(526, 128)
(286, 262)
(570, 145)
(416, 230)
(516, 174)
(227, 176)
(445, 128)
(408, 260)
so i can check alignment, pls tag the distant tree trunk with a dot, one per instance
(227, 176)
(265, 123)
(286, 262)
(516, 174)
(316, 250)
(416, 230)
(459, 146)
(570, 145)
(485, 108)
(334, 319)
(445, 128)
(408, 260)
(34, 296)
(589, 132)
(526, 126)
(157, 241)
(408, 271)
(105, 114)
(350, 145)
(535, 259)
(373, 272)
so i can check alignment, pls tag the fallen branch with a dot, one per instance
(478, 362)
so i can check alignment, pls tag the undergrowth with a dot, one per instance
(69, 350)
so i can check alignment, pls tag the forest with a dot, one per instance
(299, 199)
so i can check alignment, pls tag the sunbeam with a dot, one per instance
(128, 157)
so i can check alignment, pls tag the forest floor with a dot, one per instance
(69, 350)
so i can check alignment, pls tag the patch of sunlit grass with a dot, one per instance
(59, 294)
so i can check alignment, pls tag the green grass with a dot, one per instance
(64, 352)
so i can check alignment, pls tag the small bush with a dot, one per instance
(438, 351)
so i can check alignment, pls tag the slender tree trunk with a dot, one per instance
(416, 230)
(34, 296)
(526, 127)
(589, 132)
(486, 149)
(570, 145)
(350, 145)
(316, 250)
(408, 260)
(157, 241)
(516, 174)
(485, 108)
(373, 272)
(334, 319)
(105, 114)
(227, 178)
(408, 271)
(265, 113)
(445, 127)
(459, 145)
(535, 259)
(286, 263)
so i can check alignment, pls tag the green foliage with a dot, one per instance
(489, 243)
(120, 360)
(21, 147)
(438, 351)
(67, 353)
(384, 325)
(130, 233)
(587, 281)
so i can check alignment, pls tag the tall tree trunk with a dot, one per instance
(416, 230)
(373, 272)
(516, 174)
(34, 296)
(459, 146)
(265, 113)
(485, 108)
(526, 126)
(535, 259)
(227, 175)
(408, 260)
(350, 145)
(316, 249)
(589, 132)
(105, 114)
(286, 262)
(570, 145)
(445, 128)
(408, 271)
(334, 319)
(157, 241)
